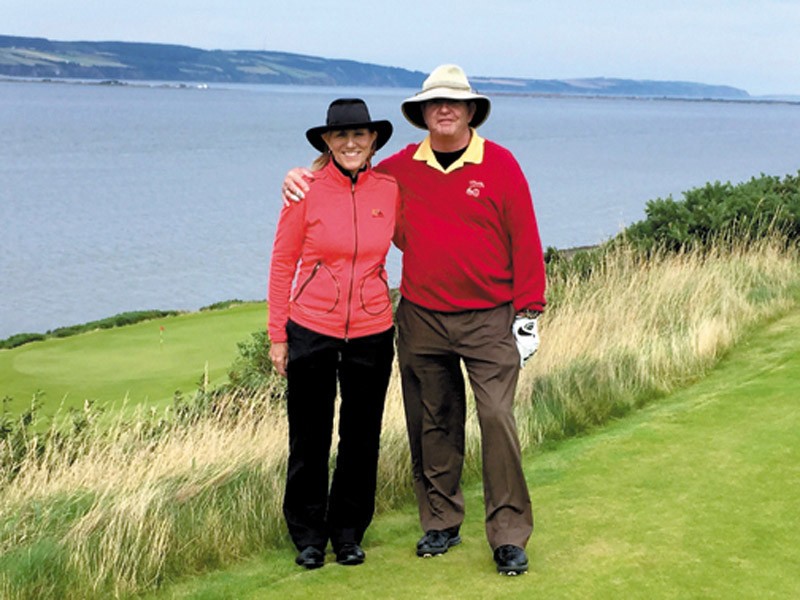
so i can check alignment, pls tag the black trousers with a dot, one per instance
(362, 366)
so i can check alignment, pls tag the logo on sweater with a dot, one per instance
(377, 213)
(474, 188)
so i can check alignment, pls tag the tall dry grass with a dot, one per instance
(133, 510)
(638, 329)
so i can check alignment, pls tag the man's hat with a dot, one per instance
(349, 113)
(447, 82)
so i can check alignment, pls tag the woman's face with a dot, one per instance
(351, 148)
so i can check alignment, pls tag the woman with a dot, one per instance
(335, 325)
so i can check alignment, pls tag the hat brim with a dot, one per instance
(384, 130)
(412, 107)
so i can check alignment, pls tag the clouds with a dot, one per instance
(750, 44)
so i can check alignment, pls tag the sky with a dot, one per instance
(749, 44)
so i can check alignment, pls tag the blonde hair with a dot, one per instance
(321, 161)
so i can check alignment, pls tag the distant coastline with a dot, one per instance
(110, 63)
(189, 85)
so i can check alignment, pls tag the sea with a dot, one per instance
(123, 197)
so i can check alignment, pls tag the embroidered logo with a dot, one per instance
(377, 213)
(474, 188)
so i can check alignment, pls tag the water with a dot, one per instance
(130, 198)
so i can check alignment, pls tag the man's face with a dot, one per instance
(448, 118)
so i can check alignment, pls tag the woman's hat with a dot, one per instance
(447, 82)
(349, 113)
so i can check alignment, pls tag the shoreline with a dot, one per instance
(202, 85)
(221, 305)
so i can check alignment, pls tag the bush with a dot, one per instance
(715, 215)
(749, 210)
(222, 305)
(21, 339)
(252, 369)
(254, 387)
(119, 320)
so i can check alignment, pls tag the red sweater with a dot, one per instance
(469, 236)
(339, 235)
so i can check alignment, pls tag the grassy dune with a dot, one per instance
(691, 497)
(133, 511)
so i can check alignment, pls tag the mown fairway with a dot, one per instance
(146, 362)
(693, 497)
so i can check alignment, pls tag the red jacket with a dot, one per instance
(333, 247)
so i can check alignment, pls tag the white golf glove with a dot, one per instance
(526, 334)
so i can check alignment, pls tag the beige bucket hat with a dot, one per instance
(450, 82)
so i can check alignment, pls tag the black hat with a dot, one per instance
(349, 113)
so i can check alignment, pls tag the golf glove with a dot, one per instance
(526, 334)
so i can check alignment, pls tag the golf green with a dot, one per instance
(142, 363)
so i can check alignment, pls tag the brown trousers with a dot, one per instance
(431, 346)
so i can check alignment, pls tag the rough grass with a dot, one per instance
(638, 330)
(134, 512)
(691, 497)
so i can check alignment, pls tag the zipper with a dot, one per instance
(353, 264)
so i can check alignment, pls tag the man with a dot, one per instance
(472, 287)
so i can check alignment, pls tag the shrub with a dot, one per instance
(252, 370)
(222, 305)
(749, 210)
(119, 320)
(20, 339)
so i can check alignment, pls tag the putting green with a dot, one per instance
(142, 363)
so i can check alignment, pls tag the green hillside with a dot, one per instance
(145, 362)
(38, 57)
(127, 61)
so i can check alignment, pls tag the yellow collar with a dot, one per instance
(473, 154)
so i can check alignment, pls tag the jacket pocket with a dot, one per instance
(320, 291)
(374, 291)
